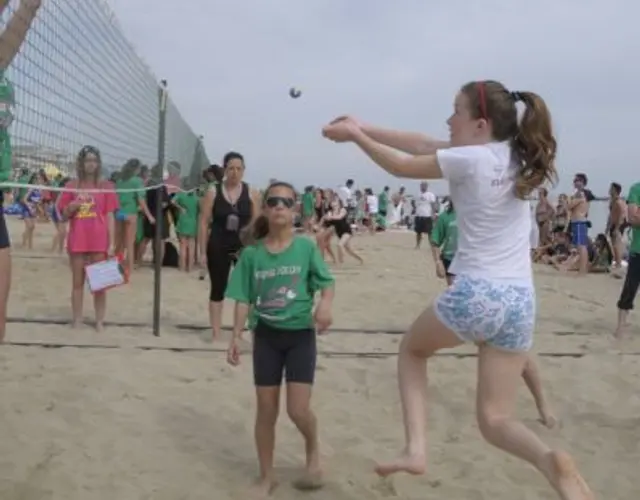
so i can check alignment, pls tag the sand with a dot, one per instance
(162, 418)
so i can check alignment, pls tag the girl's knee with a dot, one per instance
(267, 413)
(298, 412)
(489, 421)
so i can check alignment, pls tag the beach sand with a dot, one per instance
(138, 417)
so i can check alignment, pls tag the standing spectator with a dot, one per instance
(11, 39)
(579, 226)
(345, 193)
(632, 280)
(616, 223)
(426, 207)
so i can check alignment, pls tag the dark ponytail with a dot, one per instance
(535, 145)
(532, 141)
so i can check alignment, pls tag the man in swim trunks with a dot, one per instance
(579, 226)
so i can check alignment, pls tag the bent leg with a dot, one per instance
(426, 336)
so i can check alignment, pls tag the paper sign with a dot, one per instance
(106, 274)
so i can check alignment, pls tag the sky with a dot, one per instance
(398, 64)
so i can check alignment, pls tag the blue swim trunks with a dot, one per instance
(579, 233)
(499, 313)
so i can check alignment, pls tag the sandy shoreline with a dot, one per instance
(132, 422)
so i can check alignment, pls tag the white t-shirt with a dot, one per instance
(372, 204)
(424, 204)
(494, 226)
(345, 195)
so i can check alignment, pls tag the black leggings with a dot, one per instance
(631, 283)
(220, 260)
(290, 351)
(4, 233)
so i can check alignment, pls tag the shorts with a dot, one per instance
(276, 351)
(5, 242)
(121, 216)
(422, 225)
(496, 312)
(446, 263)
(579, 233)
(25, 211)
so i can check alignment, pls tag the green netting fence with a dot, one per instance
(78, 80)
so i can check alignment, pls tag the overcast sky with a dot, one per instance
(230, 64)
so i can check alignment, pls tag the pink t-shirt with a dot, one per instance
(88, 227)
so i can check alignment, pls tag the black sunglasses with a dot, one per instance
(273, 201)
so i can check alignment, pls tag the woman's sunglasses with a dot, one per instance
(273, 201)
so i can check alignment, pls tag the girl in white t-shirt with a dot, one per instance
(493, 162)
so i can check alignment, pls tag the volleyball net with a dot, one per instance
(78, 81)
(70, 78)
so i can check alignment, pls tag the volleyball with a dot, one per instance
(294, 93)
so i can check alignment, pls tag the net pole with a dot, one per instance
(157, 241)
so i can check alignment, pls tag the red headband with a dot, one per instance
(483, 101)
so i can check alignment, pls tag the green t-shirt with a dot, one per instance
(280, 286)
(383, 202)
(634, 199)
(445, 234)
(129, 200)
(307, 204)
(7, 103)
(22, 192)
(187, 224)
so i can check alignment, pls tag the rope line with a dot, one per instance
(327, 354)
(17, 185)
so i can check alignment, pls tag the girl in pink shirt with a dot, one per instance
(91, 228)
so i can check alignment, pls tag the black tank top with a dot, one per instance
(222, 234)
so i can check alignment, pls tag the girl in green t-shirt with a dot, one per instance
(188, 205)
(131, 195)
(276, 279)
(11, 39)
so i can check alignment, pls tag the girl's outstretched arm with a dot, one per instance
(16, 30)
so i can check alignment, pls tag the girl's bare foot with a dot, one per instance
(562, 473)
(411, 464)
(263, 488)
(311, 480)
(547, 419)
(99, 326)
(621, 331)
(76, 323)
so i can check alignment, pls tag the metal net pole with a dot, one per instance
(158, 240)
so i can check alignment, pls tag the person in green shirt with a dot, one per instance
(383, 207)
(444, 242)
(632, 279)
(188, 205)
(274, 283)
(12, 37)
(308, 211)
(131, 196)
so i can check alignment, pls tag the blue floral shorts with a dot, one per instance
(498, 313)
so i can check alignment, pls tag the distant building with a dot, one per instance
(35, 158)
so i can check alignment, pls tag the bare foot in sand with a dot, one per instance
(547, 418)
(262, 488)
(562, 473)
(621, 331)
(410, 464)
(311, 480)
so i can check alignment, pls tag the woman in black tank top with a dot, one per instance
(229, 207)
